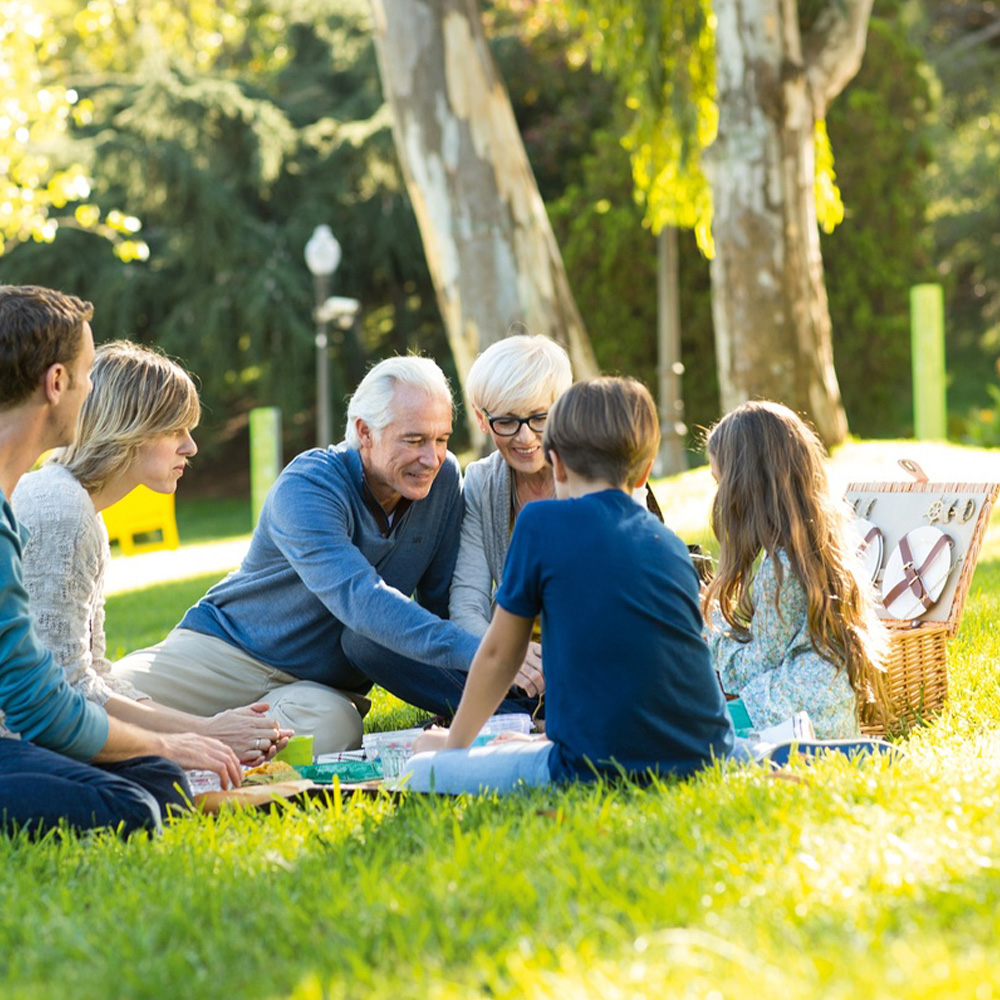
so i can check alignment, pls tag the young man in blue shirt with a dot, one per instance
(630, 687)
(47, 775)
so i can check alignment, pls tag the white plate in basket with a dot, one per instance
(933, 574)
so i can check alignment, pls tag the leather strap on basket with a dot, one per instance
(912, 576)
(873, 533)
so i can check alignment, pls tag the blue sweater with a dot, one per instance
(319, 563)
(34, 696)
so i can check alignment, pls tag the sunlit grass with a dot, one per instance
(877, 880)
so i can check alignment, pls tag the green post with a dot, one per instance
(265, 453)
(930, 409)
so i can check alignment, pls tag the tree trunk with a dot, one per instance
(672, 457)
(489, 246)
(769, 304)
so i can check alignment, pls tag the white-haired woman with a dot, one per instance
(511, 386)
(135, 428)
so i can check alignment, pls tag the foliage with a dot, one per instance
(607, 246)
(981, 425)
(662, 58)
(231, 134)
(962, 39)
(870, 879)
(871, 260)
(883, 247)
(262, 117)
(41, 175)
(558, 98)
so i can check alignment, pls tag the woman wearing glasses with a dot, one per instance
(511, 386)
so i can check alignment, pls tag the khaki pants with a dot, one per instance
(203, 675)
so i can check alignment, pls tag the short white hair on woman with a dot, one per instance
(372, 400)
(519, 375)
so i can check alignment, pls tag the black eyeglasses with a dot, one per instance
(509, 426)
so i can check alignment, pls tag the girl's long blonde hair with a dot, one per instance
(137, 394)
(773, 494)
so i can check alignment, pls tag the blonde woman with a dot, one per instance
(135, 428)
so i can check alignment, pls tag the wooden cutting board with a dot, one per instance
(251, 796)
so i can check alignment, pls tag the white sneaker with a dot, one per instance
(798, 727)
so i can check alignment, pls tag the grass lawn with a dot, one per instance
(209, 520)
(853, 881)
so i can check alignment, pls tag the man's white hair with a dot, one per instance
(519, 375)
(372, 400)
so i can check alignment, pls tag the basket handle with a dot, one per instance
(913, 469)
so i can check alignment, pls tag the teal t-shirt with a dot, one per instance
(629, 681)
(37, 701)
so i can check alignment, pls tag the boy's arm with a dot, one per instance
(493, 670)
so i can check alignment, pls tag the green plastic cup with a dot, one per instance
(297, 751)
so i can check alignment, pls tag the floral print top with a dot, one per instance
(778, 672)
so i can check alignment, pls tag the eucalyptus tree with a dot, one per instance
(486, 235)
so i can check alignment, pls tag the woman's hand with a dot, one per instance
(254, 736)
(430, 740)
(530, 677)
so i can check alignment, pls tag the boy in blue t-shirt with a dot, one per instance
(629, 682)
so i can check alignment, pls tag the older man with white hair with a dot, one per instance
(322, 606)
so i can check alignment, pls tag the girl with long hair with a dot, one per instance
(134, 429)
(799, 633)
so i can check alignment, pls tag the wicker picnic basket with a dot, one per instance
(917, 663)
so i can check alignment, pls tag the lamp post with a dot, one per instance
(322, 257)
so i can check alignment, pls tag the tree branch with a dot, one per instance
(966, 42)
(833, 48)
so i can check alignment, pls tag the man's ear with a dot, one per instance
(365, 434)
(55, 381)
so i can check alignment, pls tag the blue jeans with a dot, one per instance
(40, 789)
(498, 767)
(503, 767)
(435, 689)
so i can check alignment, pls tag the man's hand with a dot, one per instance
(431, 739)
(202, 752)
(530, 677)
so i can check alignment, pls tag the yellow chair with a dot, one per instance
(142, 512)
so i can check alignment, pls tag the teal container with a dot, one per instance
(741, 719)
